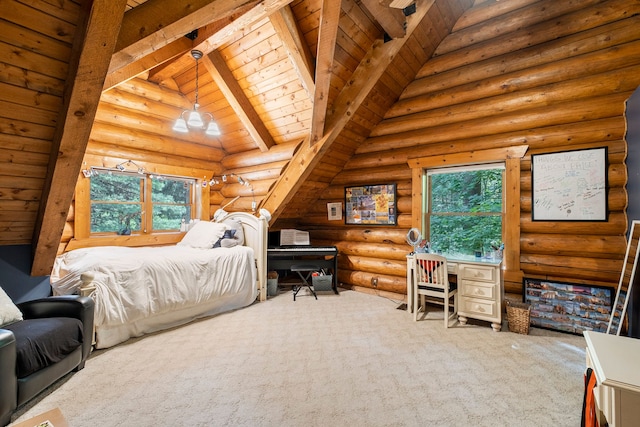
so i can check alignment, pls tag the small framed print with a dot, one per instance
(334, 211)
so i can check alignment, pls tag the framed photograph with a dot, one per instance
(568, 307)
(334, 211)
(569, 185)
(370, 204)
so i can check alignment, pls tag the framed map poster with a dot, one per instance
(569, 185)
(370, 204)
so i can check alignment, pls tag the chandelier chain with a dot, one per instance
(193, 119)
(197, 105)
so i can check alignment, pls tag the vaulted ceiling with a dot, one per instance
(302, 82)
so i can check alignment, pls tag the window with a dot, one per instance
(128, 202)
(464, 208)
(172, 200)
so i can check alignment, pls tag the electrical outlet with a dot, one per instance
(374, 282)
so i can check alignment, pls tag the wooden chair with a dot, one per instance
(431, 279)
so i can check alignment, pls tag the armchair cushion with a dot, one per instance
(44, 342)
(45, 318)
(9, 312)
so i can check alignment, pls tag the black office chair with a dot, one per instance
(304, 271)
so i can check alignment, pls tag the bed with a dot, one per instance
(217, 267)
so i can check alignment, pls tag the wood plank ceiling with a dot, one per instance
(300, 83)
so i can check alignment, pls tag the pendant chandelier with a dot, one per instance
(193, 119)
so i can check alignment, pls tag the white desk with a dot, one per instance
(614, 360)
(480, 289)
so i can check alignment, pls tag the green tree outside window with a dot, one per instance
(120, 201)
(465, 210)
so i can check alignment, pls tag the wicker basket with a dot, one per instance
(518, 316)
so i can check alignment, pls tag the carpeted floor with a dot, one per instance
(344, 360)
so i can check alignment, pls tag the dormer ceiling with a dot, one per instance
(257, 76)
(301, 83)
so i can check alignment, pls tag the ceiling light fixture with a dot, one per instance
(193, 119)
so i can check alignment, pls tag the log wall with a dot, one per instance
(133, 123)
(552, 75)
(33, 68)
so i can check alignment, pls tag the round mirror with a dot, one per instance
(414, 237)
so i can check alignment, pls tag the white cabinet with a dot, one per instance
(614, 360)
(480, 290)
(481, 293)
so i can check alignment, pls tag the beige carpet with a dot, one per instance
(343, 360)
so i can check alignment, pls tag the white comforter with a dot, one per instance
(133, 284)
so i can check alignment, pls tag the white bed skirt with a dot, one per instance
(110, 335)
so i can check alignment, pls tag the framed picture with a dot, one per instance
(568, 307)
(334, 211)
(370, 204)
(569, 185)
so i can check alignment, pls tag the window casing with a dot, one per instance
(512, 157)
(463, 208)
(131, 203)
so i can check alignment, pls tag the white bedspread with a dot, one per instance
(135, 284)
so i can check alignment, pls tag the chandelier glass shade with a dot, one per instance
(194, 119)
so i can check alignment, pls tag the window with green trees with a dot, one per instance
(464, 208)
(125, 203)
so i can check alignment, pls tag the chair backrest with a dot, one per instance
(431, 271)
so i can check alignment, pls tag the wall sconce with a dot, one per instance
(193, 119)
(88, 173)
(121, 167)
(224, 179)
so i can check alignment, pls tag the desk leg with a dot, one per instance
(410, 285)
(335, 274)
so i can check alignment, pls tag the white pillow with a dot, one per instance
(203, 235)
(9, 313)
(236, 224)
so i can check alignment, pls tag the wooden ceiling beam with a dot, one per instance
(235, 96)
(93, 45)
(215, 34)
(398, 4)
(327, 35)
(366, 75)
(210, 37)
(391, 19)
(370, 70)
(156, 23)
(298, 51)
(157, 57)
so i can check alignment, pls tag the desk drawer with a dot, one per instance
(477, 272)
(478, 308)
(452, 267)
(483, 290)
